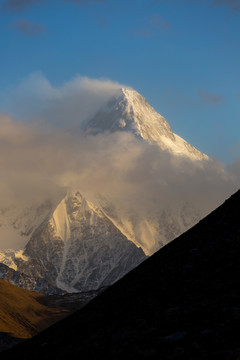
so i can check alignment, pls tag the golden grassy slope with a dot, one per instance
(21, 315)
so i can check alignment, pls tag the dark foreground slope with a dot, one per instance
(182, 303)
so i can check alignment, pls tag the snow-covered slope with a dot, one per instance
(18, 223)
(16, 227)
(129, 111)
(78, 248)
(78, 245)
(30, 282)
(155, 230)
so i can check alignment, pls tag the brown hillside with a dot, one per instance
(21, 313)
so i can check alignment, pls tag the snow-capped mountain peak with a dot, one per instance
(78, 248)
(77, 245)
(127, 110)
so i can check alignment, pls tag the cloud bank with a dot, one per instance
(41, 163)
(45, 155)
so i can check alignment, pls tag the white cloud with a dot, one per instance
(67, 106)
(40, 161)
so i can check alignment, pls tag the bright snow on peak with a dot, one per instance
(127, 110)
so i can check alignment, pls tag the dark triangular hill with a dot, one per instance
(182, 303)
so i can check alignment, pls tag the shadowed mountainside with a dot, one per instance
(182, 303)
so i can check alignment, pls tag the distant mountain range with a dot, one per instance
(181, 303)
(79, 245)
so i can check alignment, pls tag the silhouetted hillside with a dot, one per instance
(182, 303)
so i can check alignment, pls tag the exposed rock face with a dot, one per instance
(78, 248)
(29, 280)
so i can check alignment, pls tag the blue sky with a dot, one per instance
(183, 56)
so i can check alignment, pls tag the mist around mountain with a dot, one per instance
(181, 303)
(85, 207)
(88, 205)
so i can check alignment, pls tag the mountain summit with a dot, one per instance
(78, 245)
(129, 111)
(76, 248)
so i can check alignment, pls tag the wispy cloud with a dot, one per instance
(155, 23)
(16, 6)
(42, 159)
(232, 4)
(144, 32)
(41, 162)
(84, 2)
(29, 29)
(158, 22)
(238, 96)
(102, 22)
(209, 98)
(76, 100)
